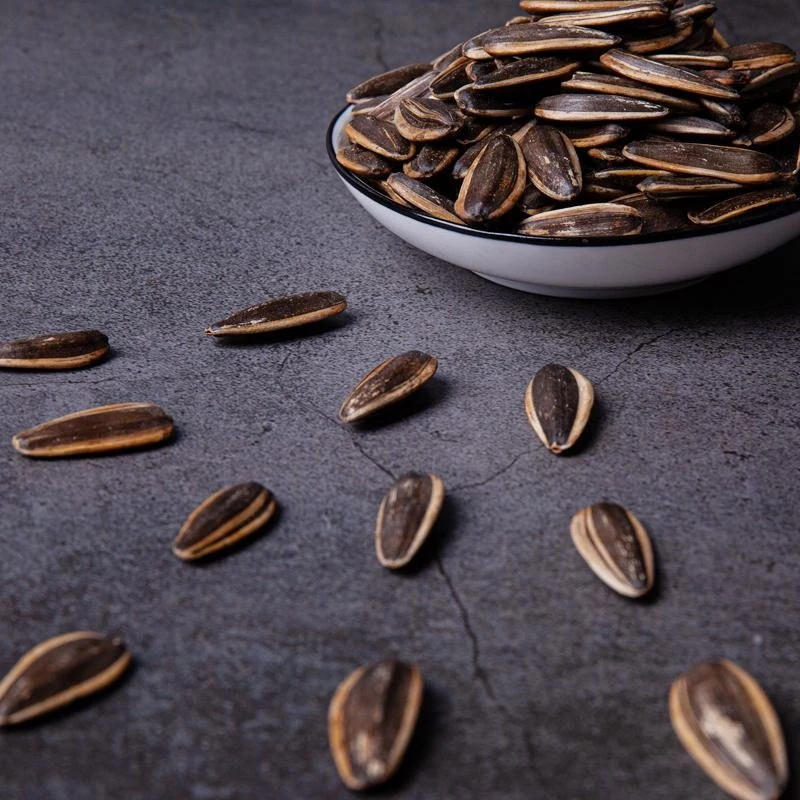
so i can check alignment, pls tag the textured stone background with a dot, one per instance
(162, 164)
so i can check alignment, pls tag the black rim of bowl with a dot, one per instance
(769, 215)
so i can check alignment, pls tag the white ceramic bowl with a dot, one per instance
(583, 268)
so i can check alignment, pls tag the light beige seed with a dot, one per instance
(423, 197)
(742, 205)
(71, 350)
(593, 220)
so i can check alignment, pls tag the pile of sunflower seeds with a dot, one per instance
(585, 118)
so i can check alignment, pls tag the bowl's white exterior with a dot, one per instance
(584, 271)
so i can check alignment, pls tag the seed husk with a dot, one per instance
(728, 114)
(423, 197)
(371, 719)
(473, 130)
(656, 73)
(122, 426)
(760, 55)
(595, 192)
(633, 14)
(568, 6)
(392, 194)
(500, 104)
(533, 201)
(729, 727)
(616, 547)
(587, 221)
(227, 517)
(380, 136)
(598, 108)
(363, 162)
(607, 155)
(387, 82)
(432, 160)
(695, 59)
(526, 71)
(680, 32)
(743, 204)
(553, 165)
(624, 87)
(450, 79)
(680, 187)
(773, 83)
(426, 120)
(696, 127)
(732, 78)
(656, 217)
(477, 69)
(406, 516)
(523, 40)
(368, 106)
(558, 402)
(391, 381)
(735, 164)
(494, 182)
(767, 125)
(701, 10)
(588, 136)
(446, 59)
(279, 314)
(71, 350)
(419, 87)
(626, 177)
(58, 672)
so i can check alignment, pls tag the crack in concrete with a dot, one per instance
(377, 35)
(289, 395)
(494, 476)
(358, 446)
(641, 346)
(737, 454)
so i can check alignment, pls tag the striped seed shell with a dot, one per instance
(718, 40)
(732, 78)
(104, 429)
(656, 73)
(760, 55)
(363, 162)
(227, 517)
(607, 155)
(679, 32)
(634, 14)
(362, 107)
(419, 87)
(700, 128)
(423, 197)
(477, 69)
(767, 125)
(58, 672)
(743, 204)
(700, 10)
(55, 351)
(588, 136)
(695, 59)
(494, 182)
(553, 164)
(450, 79)
(656, 217)
(526, 71)
(616, 547)
(442, 62)
(391, 381)
(587, 221)
(681, 187)
(778, 83)
(626, 177)
(432, 160)
(473, 48)
(380, 136)
(500, 104)
(533, 201)
(426, 119)
(728, 114)
(558, 402)
(595, 192)
(568, 6)
(387, 82)
(281, 313)
(371, 719)
(735, 164)
(729, 727)
(598, 108)
(406, 516)
(523, 40)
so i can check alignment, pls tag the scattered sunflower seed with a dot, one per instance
(586, 221)
(55, 351)
(743, 204)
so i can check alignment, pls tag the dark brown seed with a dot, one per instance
(616, 547)
(655, 73)
(728, 726)
(371, 720)
(223, 519)
(611, 156)
(423, 197)
(58, 672)
(523, 40)
(695, 59)
(419, 87)
(553, 165)
(626, 177)
(625, 87)
(727, 114)
(681, 187)
(473, 48)
(701, 10)
(777, 83)
(587, 221)
(734, 164)
(760, 55)
(732, 78)
(502, 104)
(533, 201)
(679, 32)
(392, 194)
(367, 107)
(55, 351)
(598, 108)
(431, 160)
(587, 136)
(123, 426)
(387, 82)
(695, 127)
(565, 6)
(406, 516)
(656, 217)
(633, 14)
(426, 120)
(767, 125)
(477, 69)
(391, 381)
(743, 204)
(450, 79)
(442, 62)
(558, 403)
(473, 131)
(494, 182)
(379, 136)
(594, 192)
(363, 162)
(526, 71)
(284, 312)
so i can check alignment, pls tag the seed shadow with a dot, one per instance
(286, 335)
(433, 392)
(438, 538)
(792, 751)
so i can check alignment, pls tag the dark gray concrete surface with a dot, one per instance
(163, 164)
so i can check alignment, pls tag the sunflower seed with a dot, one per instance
(616, 547)
(558, 403)
(562, 6)
(473, 130)
(520, 20)
(701, 10)
(653, 72)
(363, 162)
(594, 192)
(767, 125)
(446, 59)
(777, 83)
(607, 155)
(588, 136)
(223, 519)
(597, 108)
(477, 69)
(696, 127)
(587, 221)
(419, 87)
(379, 136)
(406, 516)
(734, 164)
(97, 430)
(732, 78)
(58, 672)
(284, 312)
(728, 726)
(423, 197)
(624, 87)
(533, 201)
(494, 182)
(743, 204)
(679, 32)
(392, 194)
(467, 158)
(501, 104)
(633, 14)
(760, 55)
(680, 187)
(696, 59)
(55, 351)
(387, 82)
(450, 79)
(657, 218)
(426, 120)
(719, 40)
(527, 71)
(367, 107)
(473, 48)
(553, 165)
(371, 720)
(522, 40)
(727, 114)
(627, 177)
(431, 160)
(391, 381)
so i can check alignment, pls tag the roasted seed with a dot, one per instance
(727, 114)
(767, 125)
(743, 204)
(626, 177)
(431, 160)
(371, 720)
(732, 78)
(728, 726)
(760, 55)
(587, 136)
(223, 519)
(478, 69)
(598, 108)
(380, 136)
(501, 104)
(442, 62)
(55, 351)
(777, 83)
(391, 381)
(123, 426)
(695, 127)
(58, 672)
(697, 59)
(363, 162)
(565, 6)
(450, 79)
(407, 514)
(656, 217)
(680, 187)
(387, 82)
(558, 403)
(701, 10)
(633, 14)
(419, 87)
(522, 40)
(533, 201)
(625, 87)
(423, 197)
(426, 120)
(526, 71)
(594, 192)
(587, 221)
(616, 547)
(284, 312)
(553, 165)
(679, 32)
(607, 155)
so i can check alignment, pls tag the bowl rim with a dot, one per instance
(769, 215)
